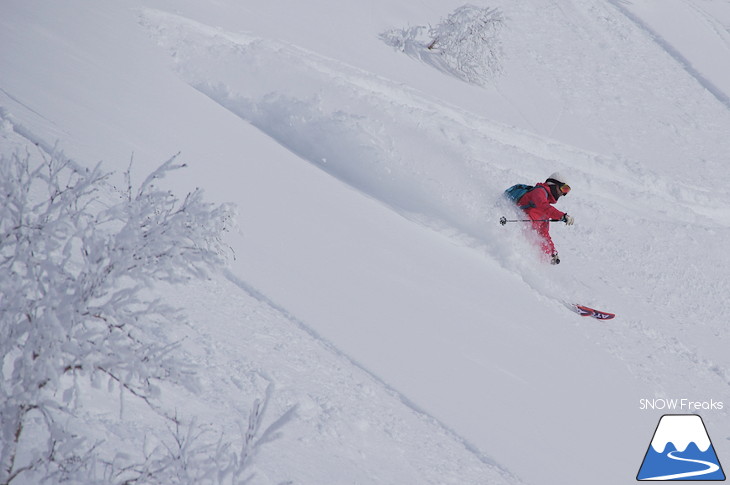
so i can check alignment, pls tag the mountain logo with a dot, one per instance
(680, 450)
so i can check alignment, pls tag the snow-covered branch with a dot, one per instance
(71, 274)
(466, 44)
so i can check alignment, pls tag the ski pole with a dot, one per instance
(503, 220)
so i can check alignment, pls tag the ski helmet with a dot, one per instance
(558, 185)
(556, 177)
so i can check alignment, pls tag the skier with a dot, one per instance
(538, 205)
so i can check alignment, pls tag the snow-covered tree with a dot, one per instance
(74, 260)
(466, 44)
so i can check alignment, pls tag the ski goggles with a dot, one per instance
(564, 188)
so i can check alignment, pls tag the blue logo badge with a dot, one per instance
(680, 450)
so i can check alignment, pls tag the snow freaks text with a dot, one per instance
(680, 405)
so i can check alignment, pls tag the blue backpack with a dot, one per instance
(516, 192)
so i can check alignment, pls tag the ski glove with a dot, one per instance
(568, 220)
(554, 259)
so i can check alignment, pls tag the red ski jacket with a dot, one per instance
(538, 204)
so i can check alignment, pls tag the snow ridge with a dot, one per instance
(686, 64)
(494, 467)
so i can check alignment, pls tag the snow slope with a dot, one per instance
(413, 338)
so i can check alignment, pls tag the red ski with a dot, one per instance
(591, 312)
